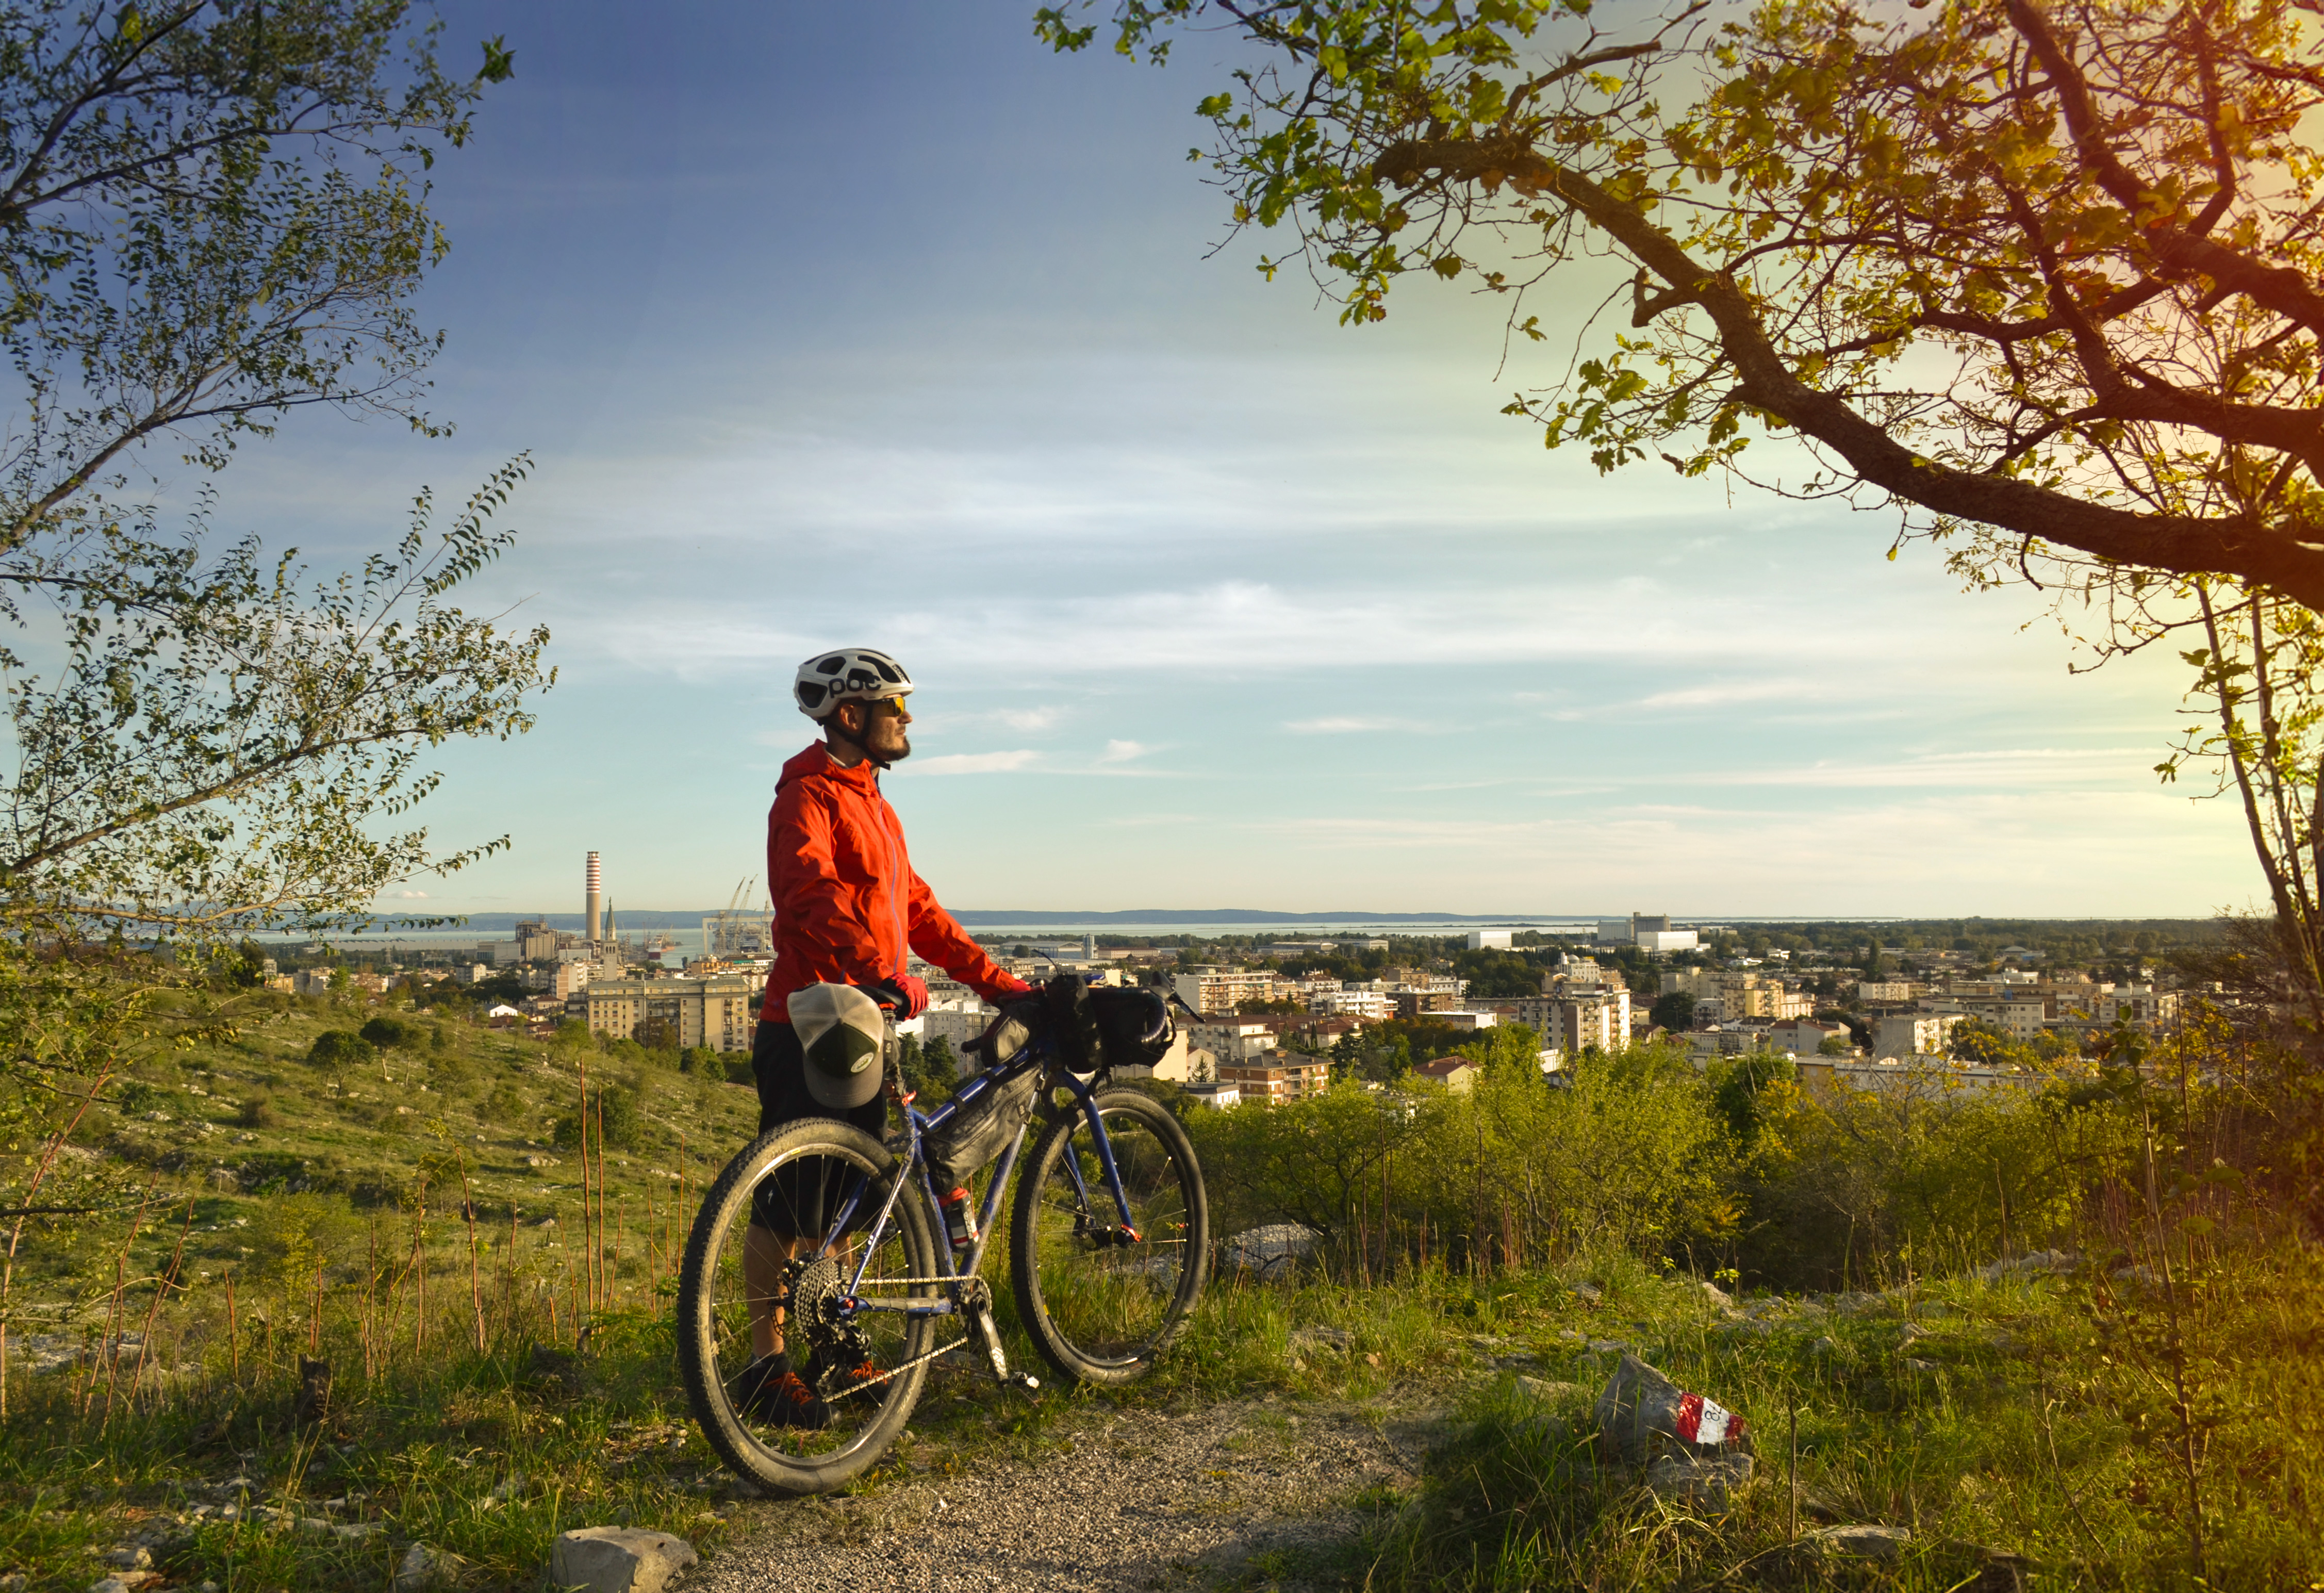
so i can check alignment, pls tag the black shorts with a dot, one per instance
(798, 1199)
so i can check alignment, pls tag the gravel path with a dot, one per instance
(1145, 1501)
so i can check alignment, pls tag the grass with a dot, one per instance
(2029, 1430)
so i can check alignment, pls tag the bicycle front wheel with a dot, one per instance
(816, 1189)
(1099, 1299)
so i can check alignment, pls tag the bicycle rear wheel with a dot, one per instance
(1100, 1302)
(867, 1366)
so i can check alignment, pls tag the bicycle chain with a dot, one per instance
(875, 1382)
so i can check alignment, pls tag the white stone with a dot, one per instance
(1707, 1484)
(1861, 1542)
(424, 1567)
(617, 1559)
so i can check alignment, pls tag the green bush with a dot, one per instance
(340, 1048)
(388, 1033)
(1632, 1154)
(615, 1111)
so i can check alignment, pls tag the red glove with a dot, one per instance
(915, 992)
(1010, 988)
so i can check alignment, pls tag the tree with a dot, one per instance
(929, 1070)
(340, 1048)
(213, 214)
(1673, 1011)
(388, 1033)
(2039, 275)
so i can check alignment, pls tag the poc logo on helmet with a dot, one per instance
(858, 674)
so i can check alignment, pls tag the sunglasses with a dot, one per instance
(891, 706)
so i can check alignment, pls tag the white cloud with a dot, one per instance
(410, 895)
(1122, 752)
(2113, 767)
(1721, 692)
(1343, 724)
(972, 763)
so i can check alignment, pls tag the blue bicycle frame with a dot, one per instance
(953, 1268)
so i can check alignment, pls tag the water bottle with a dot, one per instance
(960, 1219)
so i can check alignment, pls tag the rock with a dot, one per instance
(131, 1557)
(1717, 1295)
(1706, 1484)
(1821, 1347)
(1273, 1249)
(617, 1559)
(1919, 1366)
(2036, 1261)
(559, 1369)
(1642, 1415)
(1551, 1392)
(1590, 1292)
(509, 1487)
(1861, 1543)
(356, 1531)
(314, 1401)
(13, 1582)
(1606, 1347)
(423, 1568)
(1335, 1340)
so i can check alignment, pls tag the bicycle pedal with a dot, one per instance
(1024, 1380)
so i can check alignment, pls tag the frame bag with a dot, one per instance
(980, 1129)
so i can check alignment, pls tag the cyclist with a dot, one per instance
(847, 908)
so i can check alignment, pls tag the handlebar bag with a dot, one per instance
(1133, 1026)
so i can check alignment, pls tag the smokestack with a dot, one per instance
(593, 901)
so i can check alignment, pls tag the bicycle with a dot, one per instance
(1109, 1244)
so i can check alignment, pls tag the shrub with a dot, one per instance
(616, 1111)
(258, 1112)
(388, 1033)
(340, 1048)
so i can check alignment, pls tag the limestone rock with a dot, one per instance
(424, 1568)
(617, 1559)
(1331, 1341)
(1272, 1250)
(1550, 1393)
(1861, 1543)
(1642, 1415)
(1705, 1484)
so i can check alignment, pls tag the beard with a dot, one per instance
(896, 753)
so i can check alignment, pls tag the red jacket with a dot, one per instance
(846, 901)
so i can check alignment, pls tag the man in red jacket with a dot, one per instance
(848, 907)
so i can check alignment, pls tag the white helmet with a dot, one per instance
(845, 674)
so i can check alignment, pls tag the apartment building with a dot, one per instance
(1234, 1039)
(1224, 990)
(720, 1012)
(1275, 1077)
(1579, 1020)
(1915, 1034)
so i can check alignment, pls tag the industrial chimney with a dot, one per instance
(593, 902)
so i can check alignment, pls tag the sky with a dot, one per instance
(882, 325)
